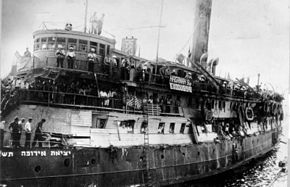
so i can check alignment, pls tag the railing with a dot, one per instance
(49, 97)
(83, 65)
(73, 99)
(44, 139)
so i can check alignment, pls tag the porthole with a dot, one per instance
(37, 169)
(66, 162)
(93, 161)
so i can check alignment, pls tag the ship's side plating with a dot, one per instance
(118, 166)
(173, 158)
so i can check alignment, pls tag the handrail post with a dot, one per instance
(48, 98)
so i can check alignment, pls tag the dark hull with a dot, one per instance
(123, 167)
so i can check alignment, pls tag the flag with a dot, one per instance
(135, 103)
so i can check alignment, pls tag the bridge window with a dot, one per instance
(51, 43)
(108, 50)
(171, 127)
(36, 44)
(94, 45)
(44, 46)
(83, 45)
(161, 128)
(43, 40)
(43, 43)
(102, 49)
(60, 41)
(72, 43)
(182, 128)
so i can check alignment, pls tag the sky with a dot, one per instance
(249, 37)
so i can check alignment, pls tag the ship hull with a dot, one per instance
(125, 166)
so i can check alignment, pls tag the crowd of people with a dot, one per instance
(76, 91)
(23, 125)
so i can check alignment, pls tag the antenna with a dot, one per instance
(86, 15)
(158, 36)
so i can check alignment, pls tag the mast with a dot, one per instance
(201, 30)
(86, 14)
(158, 36)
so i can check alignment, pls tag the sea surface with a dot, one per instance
(264, 172)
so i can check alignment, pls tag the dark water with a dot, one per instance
(263, 172)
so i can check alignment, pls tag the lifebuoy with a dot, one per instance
(249, 114)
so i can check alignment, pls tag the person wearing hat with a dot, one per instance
(70, 57)
(38, 134)
(91, 59)
(15, 131)
(60, 54)
(27, 129)
(2, 126)
(27, 53)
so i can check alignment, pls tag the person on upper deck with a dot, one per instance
(91, 59)
(70, 57)
(60, 54)
(27, 53)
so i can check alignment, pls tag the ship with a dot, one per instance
(129, 121)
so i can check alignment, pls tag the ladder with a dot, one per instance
(146, 161)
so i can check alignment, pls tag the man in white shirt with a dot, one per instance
(91, 60)
(27, 129)
(70, 58)
(60, 54)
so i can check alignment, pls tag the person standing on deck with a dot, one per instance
(60, 54)
(38, 134)
(2, 127)
(21, 125)
(15, 131)
(70, 57)
(27, 53)
(27, 129)
(91, 60)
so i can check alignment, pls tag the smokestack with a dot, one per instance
(201, 29)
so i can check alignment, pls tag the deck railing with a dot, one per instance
(50, 98)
